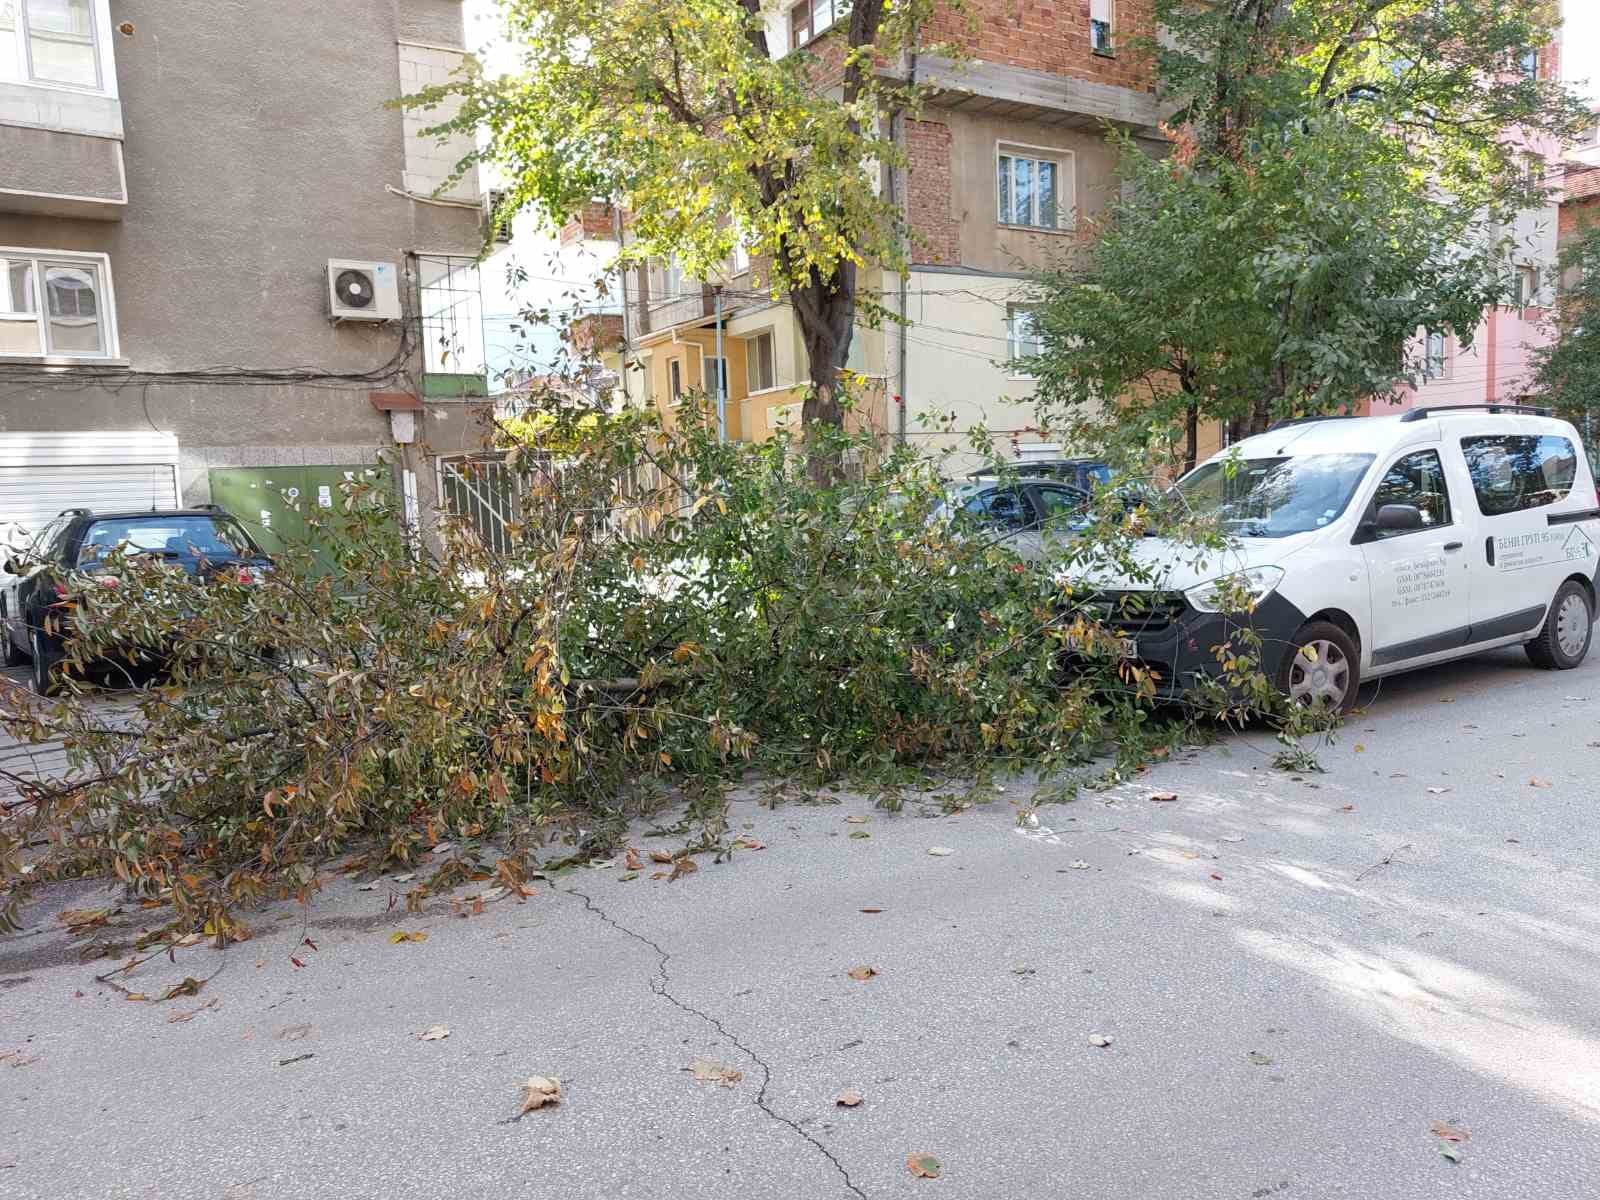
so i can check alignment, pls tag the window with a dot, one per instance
(1527, 286)
(1434, 357)
(1511, 473)
(1100, 13)
(758, 365)
(1058, 505)
(169, 536)
(49, 41)
(56, 305)
(996, 508)
(1274, 497)
(1416, 479)
(716, 376)
(1033, 191)
(1022, 334)
(675, 380)
(741, 257)
(812, 18)
(1529, 62)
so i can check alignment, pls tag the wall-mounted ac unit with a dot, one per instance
(363, 291)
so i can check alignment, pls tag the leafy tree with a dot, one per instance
(678, 111)
(1241, 293)
(1566, 372)
(1342, 173)
(1436, 84)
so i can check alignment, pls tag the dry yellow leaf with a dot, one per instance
(705, 1070)
(538, 1091)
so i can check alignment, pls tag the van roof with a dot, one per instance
(1380, 435)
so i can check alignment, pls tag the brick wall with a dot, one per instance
(935, 237)
(1049, 35)
(1581, 206)
(591, 223)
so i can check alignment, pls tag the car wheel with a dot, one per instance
(15, 655)
(1322, 669)
(44, 678)
(1563, 641)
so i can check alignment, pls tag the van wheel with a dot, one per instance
(1322, 669)
(1563, 641)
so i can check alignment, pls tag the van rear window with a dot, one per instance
(1514, 472)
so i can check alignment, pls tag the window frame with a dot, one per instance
(1015, 341)
(1536, 438)
(1430, 371)
(1388, 535)
(41, 260)
(1066, 166)
(99, 44)
(674, 380)
(752, 362)
(1527, 286)
(1107, 49)
(837, 10)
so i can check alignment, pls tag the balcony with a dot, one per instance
(60, 116)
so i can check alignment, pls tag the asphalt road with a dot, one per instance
(1297, 978)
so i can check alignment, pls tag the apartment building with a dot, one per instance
(1007, 163)
(1492, 365)
(226, 273)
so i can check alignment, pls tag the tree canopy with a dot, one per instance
(1341, 180)
(678, 111)
(1566, 372)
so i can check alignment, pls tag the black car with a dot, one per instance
(1084, 473)
(203, 541)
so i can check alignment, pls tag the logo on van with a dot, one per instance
(1578, 547)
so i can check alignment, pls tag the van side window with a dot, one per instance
(1513, 472)
(998, 507)
(1418, 479)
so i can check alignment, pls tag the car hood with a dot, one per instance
(1160, 564)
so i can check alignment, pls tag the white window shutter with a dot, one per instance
(1100, 10)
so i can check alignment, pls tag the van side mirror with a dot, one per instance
(13, 566)
(1394, 518)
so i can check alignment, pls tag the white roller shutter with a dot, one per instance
(42, 474)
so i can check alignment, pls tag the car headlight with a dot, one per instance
(1220, 595)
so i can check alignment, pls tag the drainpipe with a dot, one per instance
(897, 185)
(627, 323)
(722, 376)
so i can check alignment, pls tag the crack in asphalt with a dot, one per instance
(659, 985)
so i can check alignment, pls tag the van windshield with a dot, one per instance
(1274, 497)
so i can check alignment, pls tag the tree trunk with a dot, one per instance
(1191, 436)
(825, 310)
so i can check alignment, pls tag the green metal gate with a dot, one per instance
(273, 503)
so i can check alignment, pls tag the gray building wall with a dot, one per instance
(257, 146)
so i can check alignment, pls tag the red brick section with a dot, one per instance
(935, 233)
(1049, 35)
(592, 221)
(597, 332)
(1580, 208)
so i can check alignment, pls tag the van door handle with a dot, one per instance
(1488, 550)
(1452, 545)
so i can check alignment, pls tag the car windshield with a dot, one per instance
(170, 535)
(1274, 497)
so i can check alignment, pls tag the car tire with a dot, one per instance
(15, 656)
(43, 676)
(1563, 640)
(1333, 676)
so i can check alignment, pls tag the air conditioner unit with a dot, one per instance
(363, 291)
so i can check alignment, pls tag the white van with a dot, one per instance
(1382, 544)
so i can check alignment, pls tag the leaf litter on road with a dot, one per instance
(924, 1166)
(940, 851)
(539, 1091)
(401, 935)
(434, 1033)
(705, 1070)
(848, 1098)
(862, 973)
(1099, 1040)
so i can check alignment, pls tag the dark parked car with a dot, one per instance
(205, 542)
(1082, 472)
